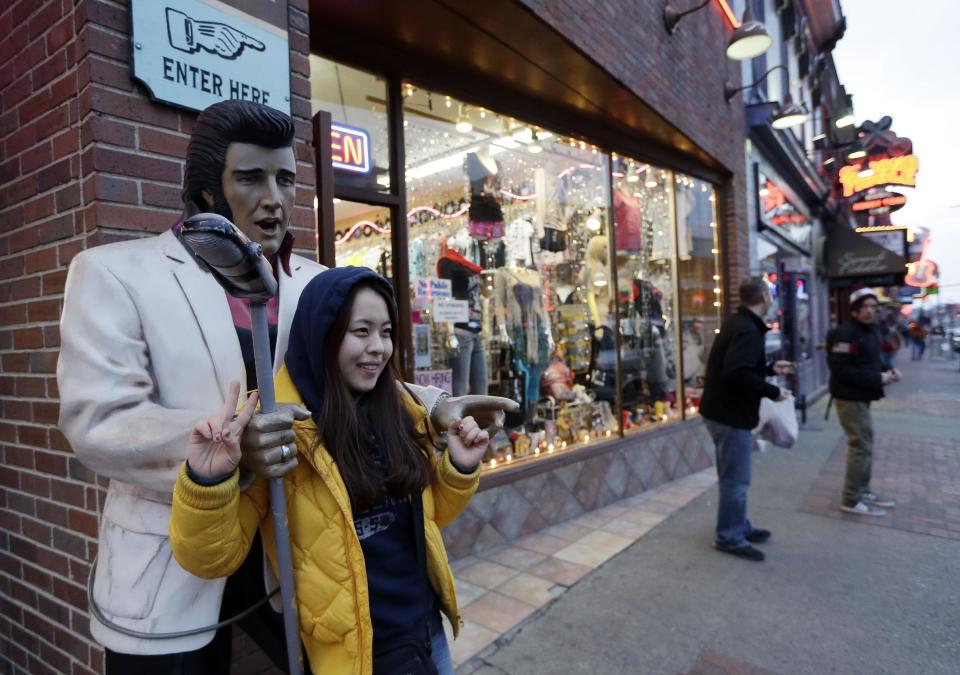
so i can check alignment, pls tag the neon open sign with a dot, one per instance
(351, 148)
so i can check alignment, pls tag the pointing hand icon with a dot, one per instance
(190, 35)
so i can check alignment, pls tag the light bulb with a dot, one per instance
(593, 223)
(846, 120)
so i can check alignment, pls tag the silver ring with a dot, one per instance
(285, 452)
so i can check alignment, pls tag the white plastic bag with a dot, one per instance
(778, 422)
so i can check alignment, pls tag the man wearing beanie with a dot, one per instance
(857, 377)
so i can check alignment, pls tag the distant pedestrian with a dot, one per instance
(890, 346)
(857, 377)
(918, 340)
(735, 382)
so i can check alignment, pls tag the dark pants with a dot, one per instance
(264, 626)
(855, 419)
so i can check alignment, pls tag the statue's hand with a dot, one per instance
(268, 442)
(488, 411)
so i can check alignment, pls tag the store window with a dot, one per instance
(769, 256)
(510, 271)
(698, 274)
(644, 241)
(357, 101)
(777, 212)
(362, 236)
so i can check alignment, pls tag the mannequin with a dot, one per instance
(518, 241)
(596, 283)
(521, 320)
(468, 358)
(485, 214)
(550, 202)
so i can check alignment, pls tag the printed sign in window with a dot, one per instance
(450, 311)
(434, 288)
(441, 379)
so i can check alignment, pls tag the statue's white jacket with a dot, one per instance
(148, 349)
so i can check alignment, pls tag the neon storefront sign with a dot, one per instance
(891, 202)
(351, 148)
(889, 171)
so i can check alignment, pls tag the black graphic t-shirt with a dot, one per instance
(395, 581)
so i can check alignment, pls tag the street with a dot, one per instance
(837, 593)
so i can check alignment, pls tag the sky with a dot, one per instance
(903, 60)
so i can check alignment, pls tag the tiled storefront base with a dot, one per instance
(566, 489)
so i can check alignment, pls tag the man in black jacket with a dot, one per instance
(857, 377)
(730, 406)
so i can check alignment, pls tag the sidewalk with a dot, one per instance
(837, 593)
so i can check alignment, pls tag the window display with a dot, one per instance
(530, 257)
(362, 236)
(643, 220)
(509, 271)
(698, 273)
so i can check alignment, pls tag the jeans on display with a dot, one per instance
(734, 447)
(469, 363)
(441, 653)
(855, 419)
(530, 374)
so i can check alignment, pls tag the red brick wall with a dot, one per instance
(85, 159)
(680, 75)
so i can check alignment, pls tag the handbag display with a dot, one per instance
(407, 654)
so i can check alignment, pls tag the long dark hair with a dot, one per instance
(345, 423)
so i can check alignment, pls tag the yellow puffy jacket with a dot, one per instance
(211, 529)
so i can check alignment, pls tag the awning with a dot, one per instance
(851, 257)
(520, 64)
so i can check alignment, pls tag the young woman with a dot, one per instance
(365, 456)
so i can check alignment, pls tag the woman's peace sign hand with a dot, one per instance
(467, 443)
(214, 447)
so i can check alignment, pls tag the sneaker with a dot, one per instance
(876, 500)
(745, 552)
(758, 535)
(862, 509)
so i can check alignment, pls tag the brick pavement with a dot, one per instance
(921, 474)
(931, 389)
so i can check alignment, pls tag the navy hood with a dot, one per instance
(320, 304)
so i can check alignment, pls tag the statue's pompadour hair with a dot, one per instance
(214, 130)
